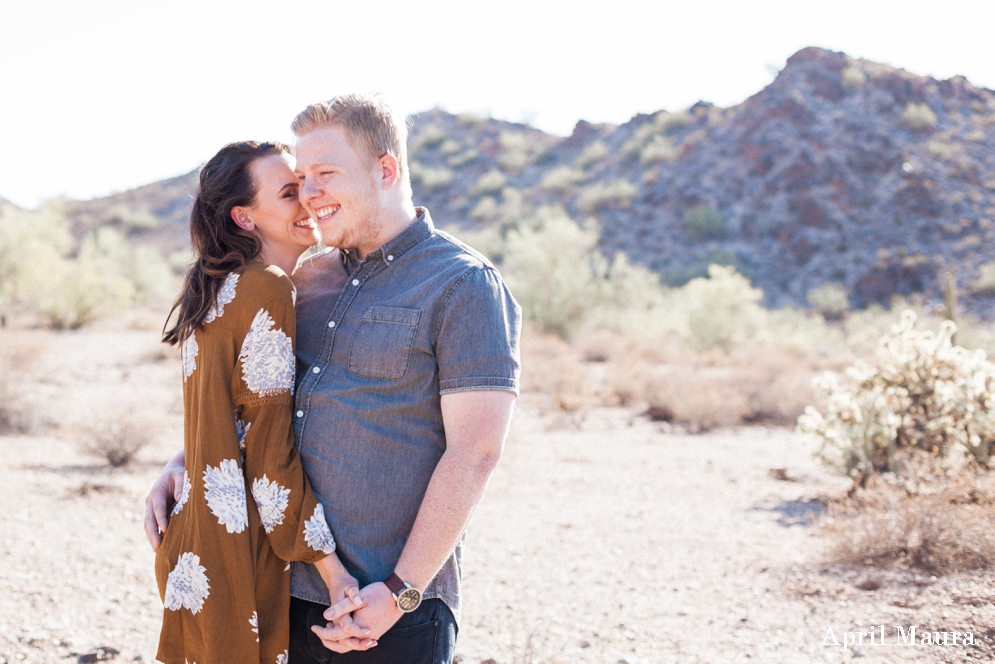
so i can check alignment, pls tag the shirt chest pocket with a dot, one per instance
(382, 345)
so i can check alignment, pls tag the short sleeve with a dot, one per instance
(477, 345)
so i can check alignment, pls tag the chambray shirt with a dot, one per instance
(378, 342)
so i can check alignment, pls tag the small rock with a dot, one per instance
(869, 584)
(585, 644)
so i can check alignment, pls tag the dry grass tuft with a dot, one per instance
(940, 526)
(117, 438)
(667, 381)
(18, 355)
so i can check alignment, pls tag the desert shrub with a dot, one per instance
(485, 209)
(722, 311)
(559, 276)
(948, 528)
(153, 277)
(450, 147)
(561, 178)
(428, 177)
(829, 300)
(919, 117)
(116, 437)
(942, 148)
(132, 217)
(556, 375)
(592, 152)
(514, 154)
(985, 283)
(697, 398)
(30, 242)
(921, 393)
(430, 136)
(600, 194)
(462, 159)
(471, 119)
(75, 292)
(703, 222)
(853, 77)
(490, 182)
(658, 148)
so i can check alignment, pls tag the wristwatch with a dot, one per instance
(407, 597)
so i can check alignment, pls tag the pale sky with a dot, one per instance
(104, 95)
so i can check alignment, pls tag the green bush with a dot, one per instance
(985, 283)
(829, 300)
(561, 178)
(430, 136)
(40, 276)
(428, 177)
(600, 194)
(703, 222)
(490, 182)
(722, 311)
(919, 117)
(920, 397)
(853, 77)
(462, 159)
(592, 152)
(515, 153)
(132, 216)
(659, 148)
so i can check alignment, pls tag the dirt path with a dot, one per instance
(605, 539)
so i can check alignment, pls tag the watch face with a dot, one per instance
(409, 600)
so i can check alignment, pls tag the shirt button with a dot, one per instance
(316, 370)
(300, 413)
(355, 282)
(391, 257)
(331, 323)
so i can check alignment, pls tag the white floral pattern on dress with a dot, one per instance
(225, 493)
(316, 532)
(187, 585)
(271, 499)
(254, 621)
(184, 495)
(284, 658)
(189, 351)
(267, 357)
(225, 296)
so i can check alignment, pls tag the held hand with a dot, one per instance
(342, 634)
(343, 591)
(165, 493)
(379, 612)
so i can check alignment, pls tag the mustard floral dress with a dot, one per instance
(246, 507)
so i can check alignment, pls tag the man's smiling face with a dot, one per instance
(339, 188)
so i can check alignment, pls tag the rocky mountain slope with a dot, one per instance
(841, 171)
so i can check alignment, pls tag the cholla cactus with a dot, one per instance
(921, 393)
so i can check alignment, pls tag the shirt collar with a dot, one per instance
(421, 228)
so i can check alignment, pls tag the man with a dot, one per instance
(407, 373)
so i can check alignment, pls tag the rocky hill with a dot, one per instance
(841, 171)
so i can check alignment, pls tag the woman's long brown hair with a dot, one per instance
(219, 245)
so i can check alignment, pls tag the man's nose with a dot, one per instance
(309, 190)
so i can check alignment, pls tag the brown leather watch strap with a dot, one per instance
(394, 583)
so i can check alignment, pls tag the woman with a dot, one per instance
(221, 567)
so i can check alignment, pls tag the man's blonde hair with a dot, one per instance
(372, 127)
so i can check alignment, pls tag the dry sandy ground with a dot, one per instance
(602, 538)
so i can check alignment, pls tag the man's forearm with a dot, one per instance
(453, 492)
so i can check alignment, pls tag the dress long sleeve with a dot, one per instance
(288, 510)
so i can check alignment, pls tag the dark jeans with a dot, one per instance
(427, 635)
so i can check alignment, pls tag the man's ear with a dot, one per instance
(241, 219)
(390, 171)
